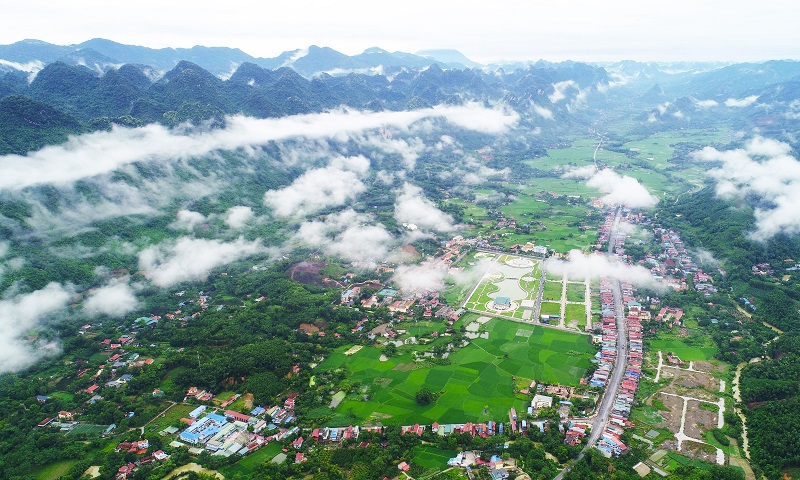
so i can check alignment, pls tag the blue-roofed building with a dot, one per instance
(203, 429)
(197, 411)
(257, 411)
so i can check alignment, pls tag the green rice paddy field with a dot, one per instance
(480, 376)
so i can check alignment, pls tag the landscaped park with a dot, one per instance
(508, 288)
(478, 384)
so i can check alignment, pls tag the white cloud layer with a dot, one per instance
(320, 188)
(18, 316)
(412, 207)
(429, 275)
(192, 258)
(618, 189)
(238, 216)
(741, 102)
(560, 90)
(116, 299)
(581, 265)
(187, 220)
(764, 169)
(102, 152)
(349, 235)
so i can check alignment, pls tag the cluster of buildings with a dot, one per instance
(675, 263)
(140, 448)
(608, 345)
(232, 432)
(610, 442)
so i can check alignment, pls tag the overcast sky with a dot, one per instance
(592, 30)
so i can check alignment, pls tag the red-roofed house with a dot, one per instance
(298, 442)
(241, 417)
(403, 467)
(299, 458)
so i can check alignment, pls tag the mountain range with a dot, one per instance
(49, 91)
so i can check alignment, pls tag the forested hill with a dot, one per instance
(84, 100)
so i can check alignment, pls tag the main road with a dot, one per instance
(607, 403)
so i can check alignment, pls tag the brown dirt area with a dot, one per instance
(698, 421)
(404, 367)
(309, 272)
(380, 329)
(699, 451)
(693, 380)
(308, 327)
(673, 416)
(248, 401)
(708, 367)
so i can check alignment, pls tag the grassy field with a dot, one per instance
(89, 430)
(480, 376)
(575, 312)
(430, 457)
(692, 348)
(576, 292)
(247, 465)
(550, 308)
(552, 291)
(172, 417)
(53, 471)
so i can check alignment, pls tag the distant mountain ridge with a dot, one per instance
(100, 54)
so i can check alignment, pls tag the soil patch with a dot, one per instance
(309, 327)
(310, 273)
(698, 421)
(673, 415)
(404, 367)
(248, 401)
(380, 329)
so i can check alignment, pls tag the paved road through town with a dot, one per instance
(607, 403)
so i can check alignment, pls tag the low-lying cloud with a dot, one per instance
(102, 152)
(411, 207)
(618, 189)
(189, 259)
(741, 102)
(350, 235)
(116, 299)
(764, 169)
(560, 89)
(19, 315)
(187, 220)
(581, 265)
(429, 275)
(320, 188)
(238, 216)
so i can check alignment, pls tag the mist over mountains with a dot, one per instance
(50, 91)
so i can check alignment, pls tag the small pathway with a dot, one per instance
(588, 305)
(681, 436)
(563, 319)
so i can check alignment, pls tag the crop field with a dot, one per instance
(477, 385)
(692, 348)
(509, 276)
